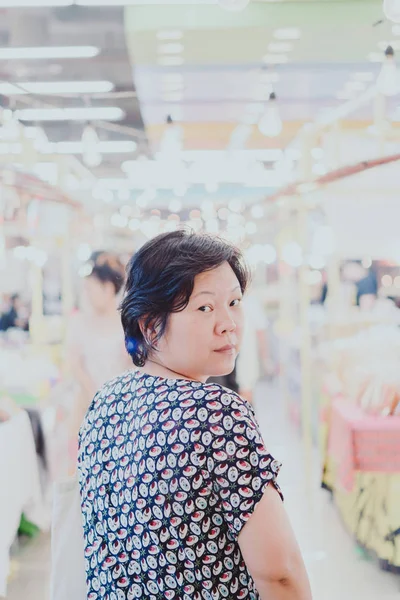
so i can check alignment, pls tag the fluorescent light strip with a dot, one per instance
(55, 87)
(55, 3)
(170, 61)
(287, 33)
(45, 52)
(106, 113)
(33, 3)
(275, 59)
(171, 48)
(104, 147)
(280, 47)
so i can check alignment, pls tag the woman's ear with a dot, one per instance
(149, 330)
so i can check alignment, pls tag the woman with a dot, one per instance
(173, 471)
(95, 341)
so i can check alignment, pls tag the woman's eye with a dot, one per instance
(205, 309)
(236, 302)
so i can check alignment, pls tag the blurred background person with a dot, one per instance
(95, 342)
(12, 316)
(365, 282)
(254, 359)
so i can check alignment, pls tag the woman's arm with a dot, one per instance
(271, 552)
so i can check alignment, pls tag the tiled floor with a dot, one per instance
(337, 570)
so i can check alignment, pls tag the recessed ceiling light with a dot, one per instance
(170, 61)
(280, 47)
(45, 52)
(287, 33)
(33, 3)
(171, 48)
(55, 87)
(170, 34)
(104, 147)
(93, 113)
(275, 59)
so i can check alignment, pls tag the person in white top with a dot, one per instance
(95, 340)
(254, 356)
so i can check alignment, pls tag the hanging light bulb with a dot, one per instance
(388, 82)
(391, 9)
(90, 143)
(11, 126)
(172, 141)
(270, 124)
(233, 5)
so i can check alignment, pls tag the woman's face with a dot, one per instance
(99, 295)
(204, 339)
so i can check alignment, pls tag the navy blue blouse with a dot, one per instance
(170, 471)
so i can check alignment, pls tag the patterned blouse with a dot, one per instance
(170, 471)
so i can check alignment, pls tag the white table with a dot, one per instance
(20, 490)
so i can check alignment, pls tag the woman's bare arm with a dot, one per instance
(271, 552)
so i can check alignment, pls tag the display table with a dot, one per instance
(363, 462)
(20, 486)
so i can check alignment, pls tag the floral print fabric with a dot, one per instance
(170, 471)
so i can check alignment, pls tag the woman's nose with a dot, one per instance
(227, 325)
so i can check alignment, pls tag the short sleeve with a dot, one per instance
(239, 464)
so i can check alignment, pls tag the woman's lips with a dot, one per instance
(228, 349)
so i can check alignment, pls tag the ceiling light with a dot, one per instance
(93, 113)
(170, 61)
(287, 33)
(388, 82)
(171, 48)
(391, 9)
(275, 59)
(270, 124)
(105, 147)
(33, 3)
(233, 5)
(280, 47)
(90, 147)
(170, 34)
(55, 87)
(48, 52)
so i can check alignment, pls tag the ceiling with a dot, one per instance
(313, 54)
(74, 26)
(230, 61)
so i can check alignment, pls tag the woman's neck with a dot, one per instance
(157, 369)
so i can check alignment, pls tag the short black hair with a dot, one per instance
(160, 281)
(107, 268)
